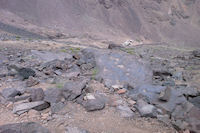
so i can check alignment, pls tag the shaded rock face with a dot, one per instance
(119, 68)
(150, 19)
(29, 127)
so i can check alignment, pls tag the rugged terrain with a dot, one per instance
(99, 66)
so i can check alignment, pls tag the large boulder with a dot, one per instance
(120, 68)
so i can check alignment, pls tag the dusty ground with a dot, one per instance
(105, 121)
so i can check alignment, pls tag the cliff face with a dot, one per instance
(175, 21)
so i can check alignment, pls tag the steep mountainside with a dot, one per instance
(174, 21)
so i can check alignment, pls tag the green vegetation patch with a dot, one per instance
(74, 50)
(95, 71)
(17, 38)
(59, 85)
(129, 50)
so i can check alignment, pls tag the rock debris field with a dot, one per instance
(82, 90)
(99, 66)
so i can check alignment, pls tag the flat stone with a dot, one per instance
(122, 91)
(10, 93)
(116, 87)
(24, 107)
(28, 127)
(22, 97)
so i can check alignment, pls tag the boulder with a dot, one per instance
(25, 73)
(93, 104)
(146, 110)
(120, 68)
(10, 93)
(73, 89)
(152, 93)
(53, 95)
(36, 94)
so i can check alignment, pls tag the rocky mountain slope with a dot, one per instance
(172, 21)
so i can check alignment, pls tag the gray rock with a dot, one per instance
(24, 107)
(24, 73)
(56, 107)
(152, 93)
(196, 53)
(73, 89)
(195, 101)
(10, 93)
(31, 82)
(178, 76)
(125, 111)
(165, 94)
(114, 46)
(117, 67)
(47, 56)
(75, 130)
(164, 118)
(178, 113)
(22, 97)
(53, 95)
(37, 94)
(94, 104)
(179, 124)
(146, 110)
(29, 127)
(168, 83)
